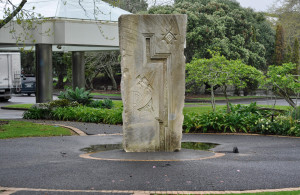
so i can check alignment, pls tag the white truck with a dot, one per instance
(10, 75)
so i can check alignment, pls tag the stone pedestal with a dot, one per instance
(153, 81)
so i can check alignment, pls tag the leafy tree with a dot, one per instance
(288, 55)
(10, 11)
(279, 46)
(296, 57)
(288, 14)
(283, 82)
(28, 62)
(61, 63)
(106, 62)
(224, 26)
(132, 6)
(220, 71)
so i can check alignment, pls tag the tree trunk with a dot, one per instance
(213, 102)
(287, 98)
(227, 100)
(60, 82)
(110, 74)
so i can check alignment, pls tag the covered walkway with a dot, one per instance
(70, 26)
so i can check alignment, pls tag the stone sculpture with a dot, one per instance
(153, 81)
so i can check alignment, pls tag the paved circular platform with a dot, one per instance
(121, 155)
(53, 164)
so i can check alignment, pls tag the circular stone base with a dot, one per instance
(183, 155)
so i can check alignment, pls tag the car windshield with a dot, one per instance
(29, 79)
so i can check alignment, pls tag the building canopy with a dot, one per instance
(74, 25)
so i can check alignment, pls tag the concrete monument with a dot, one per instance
(153, 81)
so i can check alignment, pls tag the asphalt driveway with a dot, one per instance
(264, 162)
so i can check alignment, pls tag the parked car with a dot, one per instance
(28, 85)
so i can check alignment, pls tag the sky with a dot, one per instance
(257, 5)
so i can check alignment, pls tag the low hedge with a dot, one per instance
(246, 119)
(79, 113)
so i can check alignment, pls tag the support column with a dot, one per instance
(44, 77)
(78, 77)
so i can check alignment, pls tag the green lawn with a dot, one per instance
(27, 106)
(104, 94)
(231, 98)
(205, 109)
(15, 129)
(200, 108)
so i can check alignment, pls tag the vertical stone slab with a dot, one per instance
(153, 81)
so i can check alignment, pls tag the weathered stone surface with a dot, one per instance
(153, 81)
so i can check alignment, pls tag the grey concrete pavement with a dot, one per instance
(54, 163)
(18, 99)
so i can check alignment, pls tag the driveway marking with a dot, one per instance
(87, 156)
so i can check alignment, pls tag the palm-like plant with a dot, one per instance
(79, 95)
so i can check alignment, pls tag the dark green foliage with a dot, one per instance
(37, 113)
(279, 46)
(242, 119)
(132, 6)
(296, 113)
(60, 103)
(87, 114)
(79, 95)
(222, 25)
(279, 126)
(107, 103)
(45, 110)
(288, 55)
(296, 56)
(61, 64)
(79, 113)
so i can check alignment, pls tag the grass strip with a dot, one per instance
(106, 94)
(26, 106)
(16, 129)
(206, 109)
(231, 98)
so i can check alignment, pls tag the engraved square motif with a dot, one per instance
(169, 37)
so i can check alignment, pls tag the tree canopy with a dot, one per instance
(288, 14)
(224, 26)
(222, 72)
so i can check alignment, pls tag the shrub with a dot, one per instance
(219, 122)
(107, 103)
(79, 95)
(37, 113)
(88, 114)
(296, 113)
(242, 119)
(281, 125)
